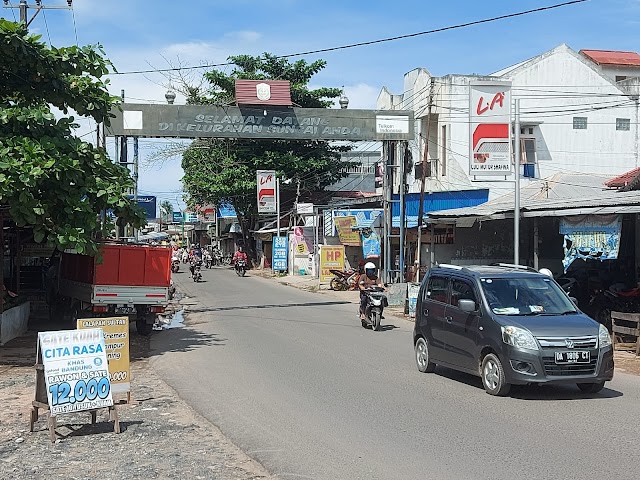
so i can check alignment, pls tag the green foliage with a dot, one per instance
(49, 179)
(166, 210)
(220, 171)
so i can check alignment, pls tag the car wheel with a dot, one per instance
(493, 377)
(591, 387)
(425, 365)
(142, 327)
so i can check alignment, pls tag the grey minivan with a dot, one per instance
(509, 325)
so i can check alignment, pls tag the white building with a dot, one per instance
(578, 114)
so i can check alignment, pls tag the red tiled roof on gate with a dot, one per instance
(612, 57)
(624, 180)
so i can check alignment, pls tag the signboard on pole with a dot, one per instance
(280, 253)
(266, 181)
(304, 208)
(177, 217)
(75, 370)
(345, 226)
(148, 204)
(116, 338)
(490, 128)
(331, 257)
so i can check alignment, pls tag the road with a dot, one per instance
(294, 380)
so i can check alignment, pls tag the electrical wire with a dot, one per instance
(371, 42)
(75, 28)
(46, 24)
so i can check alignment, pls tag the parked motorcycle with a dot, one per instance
(241, 267)
(343, 279)
(376, 300)
(615, 299)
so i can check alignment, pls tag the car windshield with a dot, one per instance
(526, 296)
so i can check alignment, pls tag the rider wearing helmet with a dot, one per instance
(368, 279)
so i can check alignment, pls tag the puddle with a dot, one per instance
(176, 321)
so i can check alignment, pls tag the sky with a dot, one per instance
(156, 34)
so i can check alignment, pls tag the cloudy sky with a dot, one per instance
(156, 34)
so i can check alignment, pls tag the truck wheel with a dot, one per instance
(143, 327)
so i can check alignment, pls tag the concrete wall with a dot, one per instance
(14, 322)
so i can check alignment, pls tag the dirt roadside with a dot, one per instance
(162, 437)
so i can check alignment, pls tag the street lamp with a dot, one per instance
(170, 96)
(344, 101)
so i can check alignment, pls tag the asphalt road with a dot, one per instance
(294, 380)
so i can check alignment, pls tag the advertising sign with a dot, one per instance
(412, 294)
(266, 180)
(304, 208)
(116, 339)
(191, 217)
(177, 217)
(280, 253)
(370, 245)
(75, 370)
(591, 237)
(331, 257)
(490, 128)
(148, 204)
(347, 235)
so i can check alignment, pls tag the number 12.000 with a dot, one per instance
(94, 388)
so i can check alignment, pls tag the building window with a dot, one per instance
(620, 78)
(579, 123)
(443, 150)
(417, 173)
(623, 124)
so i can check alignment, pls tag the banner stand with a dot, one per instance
(42, 402)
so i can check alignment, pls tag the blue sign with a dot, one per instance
(371, 245)
(177, 217)
(280, 253)
(591, 237)
(148, 204)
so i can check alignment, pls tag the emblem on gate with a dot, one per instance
(568, 342)
(263, 91)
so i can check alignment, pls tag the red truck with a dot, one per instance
(131, 280)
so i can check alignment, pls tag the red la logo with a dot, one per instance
(266, 179)
(497, 99)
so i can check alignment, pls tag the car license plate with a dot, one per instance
(126, 310)
(573, 357)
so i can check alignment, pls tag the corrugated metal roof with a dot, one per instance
(555, 196)
(613, 57)
(624, 180)
(277, 92)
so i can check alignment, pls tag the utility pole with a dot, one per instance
(24, 8)
(403, 189)
(516, 210)
(423, 176)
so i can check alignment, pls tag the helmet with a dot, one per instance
(370, 269)
(547, 272)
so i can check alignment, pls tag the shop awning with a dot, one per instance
(436, 201)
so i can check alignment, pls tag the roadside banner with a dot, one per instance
(331, 257)
(412, 293)
(75, 370)
(595, 237)
(280, 253)
(347, 235)
(116, 338)
(266, 181)
(370, 245)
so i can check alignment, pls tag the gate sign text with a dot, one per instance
(275, 122)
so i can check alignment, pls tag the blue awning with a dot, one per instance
(434, 202)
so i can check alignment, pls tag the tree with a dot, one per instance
(51, 180)
(223, 171)
(166, 211)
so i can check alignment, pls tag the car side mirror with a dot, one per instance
(467, 305)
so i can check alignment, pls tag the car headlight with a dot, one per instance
(604, 339)
(519, 337)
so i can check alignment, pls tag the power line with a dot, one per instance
(75, 28)
(370, 42)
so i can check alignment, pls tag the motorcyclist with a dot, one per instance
(239, 255)
(197, 251)
(367, 280)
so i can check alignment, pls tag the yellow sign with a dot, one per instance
(331, 257)
(301, 248)
(116, 339)
(347, 235)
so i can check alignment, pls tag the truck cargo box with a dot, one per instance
(125, 265)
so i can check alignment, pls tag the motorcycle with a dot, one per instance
(241, 267)
(616, 299)
(208, 260)
(196, 274)
(343, 279)
(175, 265)
(376, 300)
(185, 256)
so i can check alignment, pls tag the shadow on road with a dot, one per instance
(251, 307)
(183, 340)
(532, 392)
